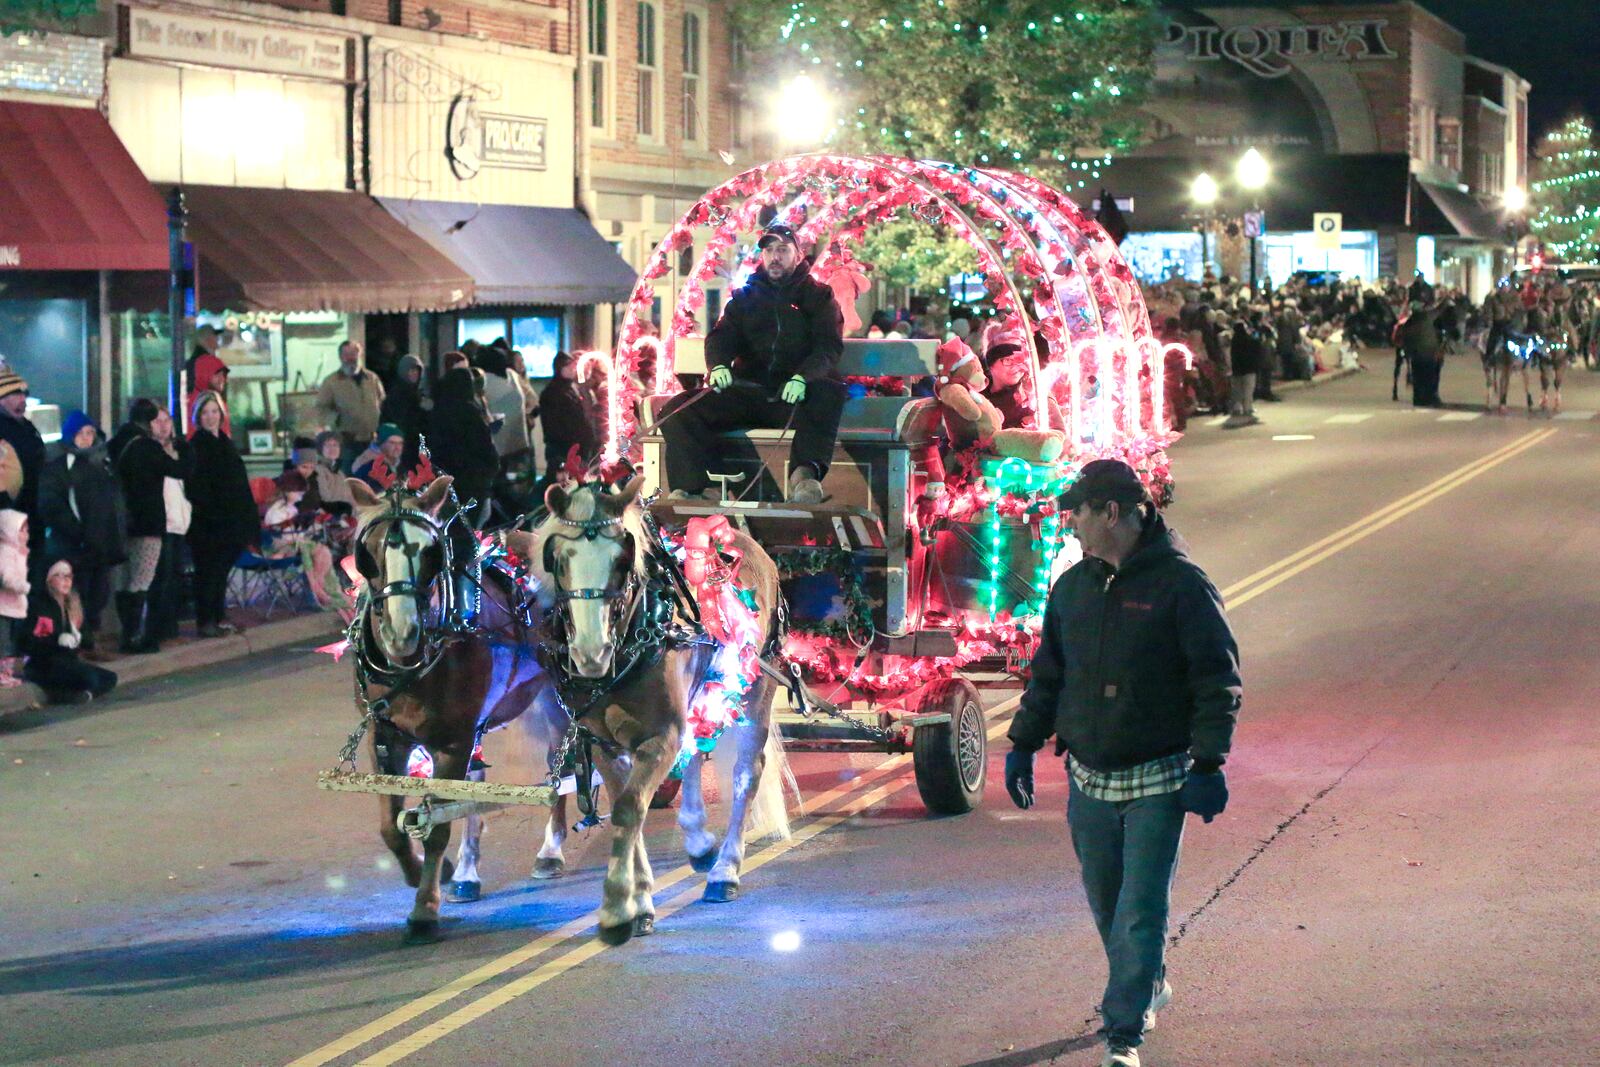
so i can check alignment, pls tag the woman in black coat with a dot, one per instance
(460, 441)
(80, 505)
(52, 638)
(153, 454)
(225, 520)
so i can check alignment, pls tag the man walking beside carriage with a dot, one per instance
(1137, 677)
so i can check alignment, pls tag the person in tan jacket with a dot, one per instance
(349, 401)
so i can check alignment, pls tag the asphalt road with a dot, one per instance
(1407, 872)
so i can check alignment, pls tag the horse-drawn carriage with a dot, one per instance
(919, 581)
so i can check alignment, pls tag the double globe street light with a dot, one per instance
(1251, 173)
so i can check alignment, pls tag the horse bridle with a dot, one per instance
(590, 530)
(398, 517)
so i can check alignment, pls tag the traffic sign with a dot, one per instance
(1328, 228)
(1255, 223)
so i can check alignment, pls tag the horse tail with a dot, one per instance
(767, 813)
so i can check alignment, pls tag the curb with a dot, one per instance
(1325, 376)
(321, 627)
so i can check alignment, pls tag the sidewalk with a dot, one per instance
(187, 653)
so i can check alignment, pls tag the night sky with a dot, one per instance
(1551, 43)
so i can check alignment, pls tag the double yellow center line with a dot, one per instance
(1247, 589)
(837, 805)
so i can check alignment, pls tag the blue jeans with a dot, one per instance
(1128, 851)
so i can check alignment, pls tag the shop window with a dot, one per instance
(713, 306)
(647, 60)
(1447, 144)
(538, 338)
(1491, 180)
(693, 126)
(46, 341)
(599, 65)
(276, 362)
(685, 261)
(484, 330)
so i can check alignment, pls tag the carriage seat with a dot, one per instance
(868, 419)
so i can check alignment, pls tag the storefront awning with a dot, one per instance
(522, 255)
(1446, 211)
(71, 197)
(303, 250)
(1371, 192)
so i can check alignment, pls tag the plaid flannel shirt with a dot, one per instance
(1164, 775)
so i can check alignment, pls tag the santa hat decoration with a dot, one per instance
(953, 355)
(1007, 341)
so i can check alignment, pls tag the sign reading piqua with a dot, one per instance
(242, 45)
(1271, 51)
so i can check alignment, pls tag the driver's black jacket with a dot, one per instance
(771, 331)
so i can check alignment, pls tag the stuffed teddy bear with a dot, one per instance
(969, 416)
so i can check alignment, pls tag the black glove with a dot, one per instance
(1205, 794)
(1019, 778)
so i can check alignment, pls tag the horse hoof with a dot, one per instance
(464, 892)
(616, 935)
(721, 892)
(704, 862)
(422, 931)
(546, 867)
(644, 926)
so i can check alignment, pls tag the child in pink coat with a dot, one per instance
(13, 589)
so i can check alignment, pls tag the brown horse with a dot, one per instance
(599, 570)
(443, 655)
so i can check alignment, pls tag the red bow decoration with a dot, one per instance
(575, 465)
(44, 627)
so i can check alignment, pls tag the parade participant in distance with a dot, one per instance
(1137, 677)
(771, 359)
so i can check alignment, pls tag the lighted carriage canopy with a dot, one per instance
(1043, 261)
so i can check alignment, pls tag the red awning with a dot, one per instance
(71, 197)
(299, 250)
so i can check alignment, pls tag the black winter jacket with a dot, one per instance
(566, 424)
(1134, 664)
(97, 531)
(770, 331)
(142, 468)
(224, 510)
(460, 442)
(23, 436)
(1249, 350)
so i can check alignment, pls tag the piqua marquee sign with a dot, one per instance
(1271, 51)
(225, 43)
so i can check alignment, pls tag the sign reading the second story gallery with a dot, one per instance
(241, 45)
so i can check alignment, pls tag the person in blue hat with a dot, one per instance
(81, 511)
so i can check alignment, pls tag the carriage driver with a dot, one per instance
(772, 359)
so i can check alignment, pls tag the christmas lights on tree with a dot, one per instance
(1565, 193)
(1027, 86)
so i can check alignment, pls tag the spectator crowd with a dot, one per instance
(157, 516)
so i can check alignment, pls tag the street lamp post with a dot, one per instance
(1252, 172)
(800, 113)
(1515, 202)
(1203, 191)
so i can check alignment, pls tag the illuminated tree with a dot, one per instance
(17, 16)
(1025, 84)
(1565, 195)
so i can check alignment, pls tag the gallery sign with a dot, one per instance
(241, 45)
(1271, 51)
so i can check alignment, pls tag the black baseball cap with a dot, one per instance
(777, 231)
(1102, 480)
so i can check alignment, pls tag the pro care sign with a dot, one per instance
(241, 45)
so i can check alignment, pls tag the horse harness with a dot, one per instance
(460, 597)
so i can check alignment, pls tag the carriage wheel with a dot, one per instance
(666, 794)
(951, 758)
